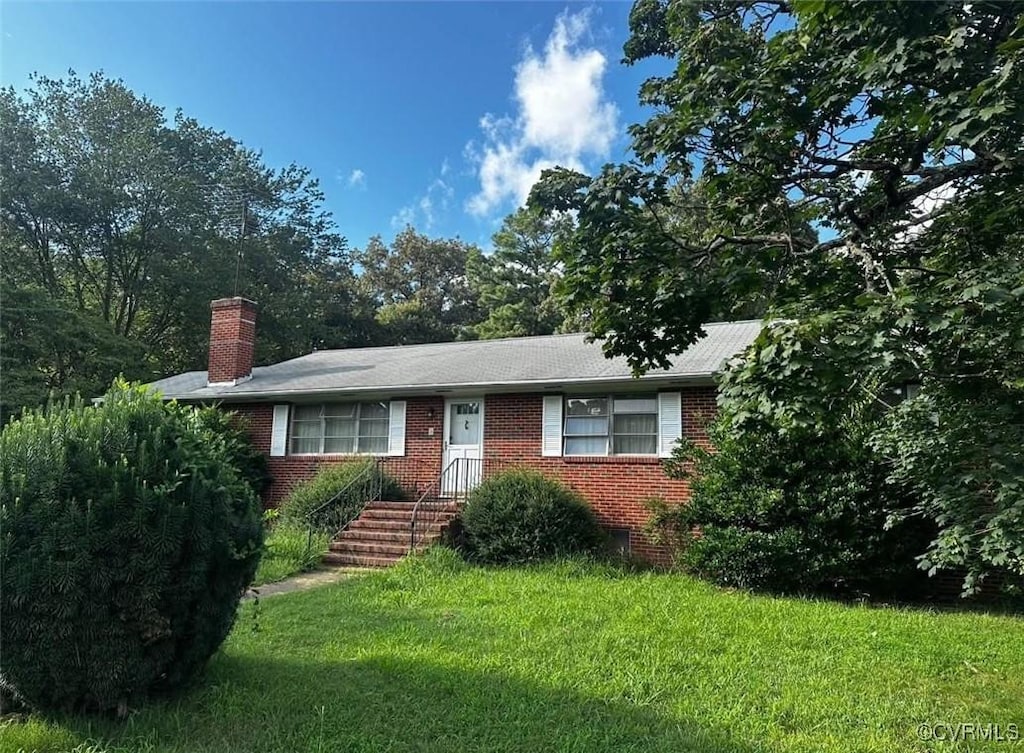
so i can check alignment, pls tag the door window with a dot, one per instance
(464, 423)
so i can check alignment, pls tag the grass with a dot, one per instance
(288, 552)
(439, 656)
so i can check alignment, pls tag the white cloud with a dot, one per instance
(425, 211)
(561, 98)
(563, 117)
(404, 216)
(357, 179)
(437, 198)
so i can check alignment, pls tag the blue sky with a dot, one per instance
(437, 114)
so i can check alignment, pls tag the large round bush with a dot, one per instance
(521, 516)
(127, 541)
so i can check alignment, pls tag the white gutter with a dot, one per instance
(445, 388)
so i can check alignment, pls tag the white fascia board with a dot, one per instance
(455, 389)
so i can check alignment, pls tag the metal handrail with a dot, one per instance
(456, 481)
(433, 487)
(374, 466)
(376, 474)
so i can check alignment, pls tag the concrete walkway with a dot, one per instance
(304, 582)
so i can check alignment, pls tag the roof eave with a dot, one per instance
(412, 390)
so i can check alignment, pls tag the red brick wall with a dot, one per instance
(232, 338)
(418, 468)
(614, 486)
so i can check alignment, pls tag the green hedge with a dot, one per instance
(128, 538)
(521, 516)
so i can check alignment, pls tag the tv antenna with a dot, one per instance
(226, 200)
(241, 242)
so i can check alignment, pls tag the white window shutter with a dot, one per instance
(551, 426)
(279, 432)
(670, 421)
(396, 428)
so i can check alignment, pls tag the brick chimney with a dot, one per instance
(232, 339)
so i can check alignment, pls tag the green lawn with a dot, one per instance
(289, 550)
(437, 656)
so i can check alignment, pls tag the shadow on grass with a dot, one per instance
(947, 603)
(386, 704)
(929, 597)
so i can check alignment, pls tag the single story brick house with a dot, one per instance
(553, 403)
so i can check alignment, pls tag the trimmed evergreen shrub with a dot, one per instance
(521, 516)
(127, 539)
(250, 462)
(358, 479)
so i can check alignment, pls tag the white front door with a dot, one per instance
(463, 441)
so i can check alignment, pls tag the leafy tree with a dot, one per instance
(515, 284)
(133, 222)
(960, 450)
(419, 287)
(46, 348)
(896, 132)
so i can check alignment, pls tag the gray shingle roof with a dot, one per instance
(514, 364)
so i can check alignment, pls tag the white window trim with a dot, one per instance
(291, 435)
(610, 436)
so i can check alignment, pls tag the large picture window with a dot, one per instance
(611, 425)
(343, 428)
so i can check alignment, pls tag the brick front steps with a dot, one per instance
(379, 537)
